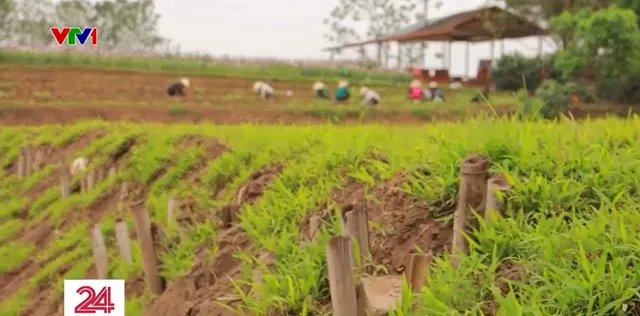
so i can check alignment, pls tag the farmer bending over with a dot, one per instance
(263, 90)
(415, 91)
(436, 93)
(342, 93)
(369, 96)
(481, 96)
(178, 88)
(320, 90)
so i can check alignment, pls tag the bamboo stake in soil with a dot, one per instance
(418, 264)
(315, 223)
(495, 186)
(341, 278)
(22, 165)
(147, 247)
(91, 179)
(64, 184)
(171, 208)
(99, 252)
(357, 226)
(472, 195)
(29, 158)
(112, 171)
(122, 238)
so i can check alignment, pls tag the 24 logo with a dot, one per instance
(97, 297)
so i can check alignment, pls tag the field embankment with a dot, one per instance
(243, 196)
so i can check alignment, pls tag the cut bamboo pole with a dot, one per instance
(472, 195)
(91, 179)
(147, 247)
(122, 238)
(171, 209)
(99, 252)
(496, 186)
(22, 165)
(357, 226)
(315, 224)
(341, 278)
(418, 264)
(29, 158)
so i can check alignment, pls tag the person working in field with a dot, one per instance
(342, 92)
(263, 90)
(415, 91)
(320, 90)
(481, 96)
(369, 96)
(178, 88)
(436, 93)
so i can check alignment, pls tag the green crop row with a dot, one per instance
(194, 67)
(572, 212)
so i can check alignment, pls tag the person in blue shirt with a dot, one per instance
(342, 92)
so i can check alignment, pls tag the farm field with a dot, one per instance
(565, 246)
(37, 95)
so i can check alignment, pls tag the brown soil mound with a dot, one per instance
(401, 223)
(199, 292)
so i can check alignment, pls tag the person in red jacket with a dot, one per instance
(415, 91)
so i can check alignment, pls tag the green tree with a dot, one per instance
(375, 18)
(604, 48)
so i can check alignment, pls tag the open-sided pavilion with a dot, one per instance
(489, 23)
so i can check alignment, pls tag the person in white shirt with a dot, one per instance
(369, 96)
(320, 90)
(78, 165)
(263, 90)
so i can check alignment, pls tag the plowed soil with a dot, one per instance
(30, 95)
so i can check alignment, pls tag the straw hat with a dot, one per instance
(433, 84)
(343, 84)
(257, 86)
(363, 90)
(416, 83)
(185, 82)
(318, 86)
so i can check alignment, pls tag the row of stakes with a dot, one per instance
(349, 278)
(355, 292)
(32, 159)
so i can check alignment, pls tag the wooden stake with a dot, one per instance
(99, 174)
(22, 165)
(91, 179)
(122, 238)
(112, 171)
(99, 252)
(315, 223)
(472, 195)
(149, 256)
(29, 159)
(38, 160)
(171, 208)
(418, 264)
(341, 278)
(64, 184)
(495, 186)
(357, 226)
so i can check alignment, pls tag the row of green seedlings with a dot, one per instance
(350, 279)
(151, 238)
(89, 179)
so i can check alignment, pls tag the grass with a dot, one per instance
(572, 213)
(194, 67)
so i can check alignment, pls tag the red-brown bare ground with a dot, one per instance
(32, 96)
(402, 222)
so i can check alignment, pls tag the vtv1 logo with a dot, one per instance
(71, 35)
(98, 297)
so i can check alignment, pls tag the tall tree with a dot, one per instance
(377, 18)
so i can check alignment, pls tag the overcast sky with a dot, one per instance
(292, 29)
